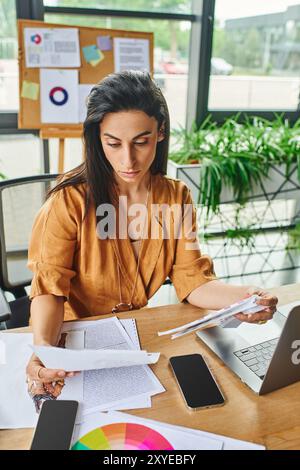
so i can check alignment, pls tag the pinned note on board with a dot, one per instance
(131, 53)
(104, 43)
(30, 90)
(59, 96)
(92, 54)
(52, 47)
(97, 61)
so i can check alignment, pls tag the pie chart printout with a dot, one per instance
(123, 436)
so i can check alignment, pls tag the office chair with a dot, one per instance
(20, 200)
(14, 314)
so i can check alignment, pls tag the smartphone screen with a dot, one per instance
(55, 425)
(196, 382)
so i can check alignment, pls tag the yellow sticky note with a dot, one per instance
(30, 90)
(97, 61)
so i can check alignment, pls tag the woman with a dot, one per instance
(88, 252)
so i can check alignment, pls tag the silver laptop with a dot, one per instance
(265, 357)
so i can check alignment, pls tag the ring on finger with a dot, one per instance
(38, 372)
(262, 322)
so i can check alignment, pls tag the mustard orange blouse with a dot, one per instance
(69, 259)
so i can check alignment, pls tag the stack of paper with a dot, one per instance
(117, 388)
(247, 306)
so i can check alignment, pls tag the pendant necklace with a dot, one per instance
(124, 306)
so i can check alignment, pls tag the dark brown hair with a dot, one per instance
(123, 91)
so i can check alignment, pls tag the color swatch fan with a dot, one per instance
(123, 436)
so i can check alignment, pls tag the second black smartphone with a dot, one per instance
(197, 385)
(55, 425)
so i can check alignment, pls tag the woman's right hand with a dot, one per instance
(42, 380)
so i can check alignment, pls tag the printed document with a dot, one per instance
(247, 306)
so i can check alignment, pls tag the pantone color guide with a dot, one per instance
(123, 436)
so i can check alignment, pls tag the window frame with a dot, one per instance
(202, 94)
(200, 53)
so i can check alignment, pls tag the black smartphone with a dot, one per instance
(55, 425)
(196, 382)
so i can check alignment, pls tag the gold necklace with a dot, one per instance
(124, 306)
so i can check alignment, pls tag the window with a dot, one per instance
(20, 155)
(256, 56)
(8, 57)
(166, 6)
(171, 50)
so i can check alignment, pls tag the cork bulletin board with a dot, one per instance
(30, 109)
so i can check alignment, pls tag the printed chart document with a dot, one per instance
(52, 47)
(17, 409)
(131, 54)
(122, 431)
(59, 96)
(247, 306)
(105, 389)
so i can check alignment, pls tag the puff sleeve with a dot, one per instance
(190, 268)
(52, 246)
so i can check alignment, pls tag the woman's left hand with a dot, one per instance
(267, 300)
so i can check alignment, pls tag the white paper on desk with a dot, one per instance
(140, 401)
(16, 406)
(105, 388)
(90, 359)
(129, 325)
(229, 443)
(174, 438)
(247, 306)
(52, 47)
(108, 388)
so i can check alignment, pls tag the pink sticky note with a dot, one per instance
(104, 43)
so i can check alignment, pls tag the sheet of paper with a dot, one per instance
(104, 43)
(91, 53)
(129, 324)
(142, 401)
(96, 62)
(59, 96)
(107, 387)
(90, 359)
(229, 443)
(157, 436)
(83, 92)
(16, 406)
(30, 90)
(247, 306)
(139, 401)
(52, 47)
(131, 54)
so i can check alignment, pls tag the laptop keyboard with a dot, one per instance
(258, 357)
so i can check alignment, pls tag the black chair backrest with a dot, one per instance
(20, 200)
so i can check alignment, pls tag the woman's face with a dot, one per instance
(129, 140)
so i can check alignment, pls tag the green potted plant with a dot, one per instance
(256, 161)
